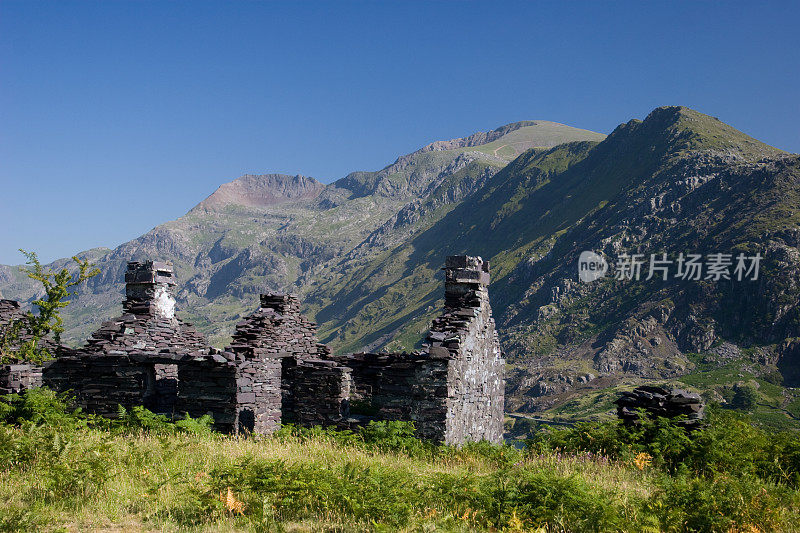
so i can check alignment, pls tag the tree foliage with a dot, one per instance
(24, 339)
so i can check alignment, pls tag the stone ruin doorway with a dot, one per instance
(160, 393)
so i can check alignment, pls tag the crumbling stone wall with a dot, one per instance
(135, 358)
(276, 371)
(466, 330)
(258, 395)
(148, 323)
(662, 402)
(321, 393)
(100, 382)
(208, 385)
(10, 311)
(398, 386)
(19, 376)
(278, 328)
(269, 345)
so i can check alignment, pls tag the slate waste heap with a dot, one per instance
(276, 371)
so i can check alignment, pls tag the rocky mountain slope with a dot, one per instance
(262, 191)
(282, 233)
(364, 254)
(677, 182)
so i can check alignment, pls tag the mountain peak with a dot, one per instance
(262, 190)
(682, 128)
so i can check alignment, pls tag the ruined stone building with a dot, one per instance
(275, 370)
(14, 378)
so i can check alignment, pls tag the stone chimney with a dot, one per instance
(465, 281)
(281, 303)
(148, 289)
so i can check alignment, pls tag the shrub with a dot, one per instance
(140, 419)
(774, 377)
(744, 397)
(663, 439)
(392, 436)
(40, 406)
(25, 339)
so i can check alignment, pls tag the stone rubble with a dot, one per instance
(662, 402)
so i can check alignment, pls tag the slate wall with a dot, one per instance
(321, 393)
(276, 371)
(399, 386)
(99, 382)
(19, 377)
(465, 334)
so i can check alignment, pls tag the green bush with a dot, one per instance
(43, 407)
(392, 436)
(666, 442)
(139, 419)
(744, 397)
(730, 444)
(774, 377)
(40, 406)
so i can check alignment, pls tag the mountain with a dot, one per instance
(261, 191)
(364, 253)
(275, 232)
(677, 182)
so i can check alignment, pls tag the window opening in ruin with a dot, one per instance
(161, 388)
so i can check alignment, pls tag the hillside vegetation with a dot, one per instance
(281, 233)
(364, 254)
(62, 470)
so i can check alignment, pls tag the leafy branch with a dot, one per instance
(34, 328)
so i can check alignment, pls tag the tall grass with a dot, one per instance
(84, 474)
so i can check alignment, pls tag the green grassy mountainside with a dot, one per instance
(677, 182)
(364, 253)
(282, 233)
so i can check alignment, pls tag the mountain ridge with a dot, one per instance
(364, 254)
(262, 190)
(275, 232)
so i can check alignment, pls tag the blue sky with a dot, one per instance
(117, 116)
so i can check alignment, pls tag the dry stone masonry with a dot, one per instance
(475, 362)
(276, 371)
(16, 377)
(148, 323)
(661, 402)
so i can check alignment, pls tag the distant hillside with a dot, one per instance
(364, 254)
(283, 233)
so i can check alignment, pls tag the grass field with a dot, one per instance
(63, 471)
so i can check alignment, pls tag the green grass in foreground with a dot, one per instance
(65, 471)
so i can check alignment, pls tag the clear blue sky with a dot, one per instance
(117, 116)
